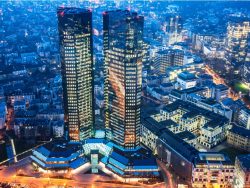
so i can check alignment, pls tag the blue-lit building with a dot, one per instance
(59, 156)
(135, 164)
(97, 154)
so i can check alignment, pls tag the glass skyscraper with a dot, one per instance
(123, 54)
(76, 48)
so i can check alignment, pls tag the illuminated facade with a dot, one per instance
(242, 171)
(168, 58)
(123, 42)
(212, 170)
(76, 48)
(237, 40)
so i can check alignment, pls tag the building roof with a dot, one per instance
(72, 10)
(244, 162)
(213, 157)
(183, 148)
(192, 111)
(59, 149)
(221, 87)
(186, 76)
(240, 131)
(186, 135)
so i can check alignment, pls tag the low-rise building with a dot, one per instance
(244, 117)
(242, 171)
(188, 137)
(19, 105)
(59, 157)
(209, 126)
(239, 137)
(220, 92)
(186, 80)
(212, 170)
(213, 132)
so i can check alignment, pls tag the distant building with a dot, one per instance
(167, 58)
(19, 105)
(173, 28)
(237, 40)
(242, 171)
(246, 71)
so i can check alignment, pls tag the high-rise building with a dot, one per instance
(123, 41)
(173, 28)
(167, 58)
(76, 48)
(237, 40)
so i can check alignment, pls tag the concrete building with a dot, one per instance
(168, 58)
(186, 80)
(239, 137)
(212, 170)
(209, 126)
(244, 117)
(220, 92)
(242, 171)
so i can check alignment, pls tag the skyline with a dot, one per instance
(139, 93)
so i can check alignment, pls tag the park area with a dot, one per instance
(241, 87)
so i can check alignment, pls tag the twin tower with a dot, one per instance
(123, 53)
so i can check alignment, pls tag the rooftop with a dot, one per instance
(240, 131)
(244, 161)
(186, 135)
(186, 76)
(59, 149)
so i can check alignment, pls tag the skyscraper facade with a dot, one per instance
(123, 42)
(76, 48)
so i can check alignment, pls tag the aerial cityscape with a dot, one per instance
(124, 94)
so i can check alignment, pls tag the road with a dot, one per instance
(218, 80)
(23, 173)
(170, 183)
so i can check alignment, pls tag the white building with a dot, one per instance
(244, 117)
(186, 80)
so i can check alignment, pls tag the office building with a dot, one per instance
(239, 137)
(209, 127)
(212, 170)
(244, 117)
(76, 48)
(167, 58)
(237, 40)
(186, 80)
(220, 92)
(123, 40)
